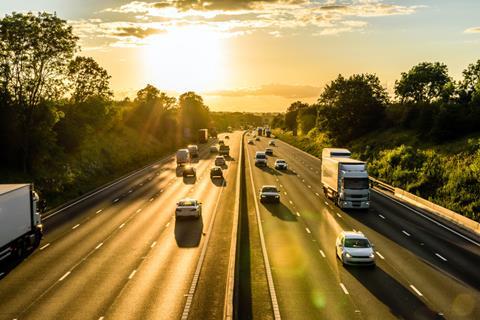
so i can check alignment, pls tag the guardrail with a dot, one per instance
(444, 213)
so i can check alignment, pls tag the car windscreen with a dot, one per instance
(260, 156)
(280, 161)
(357, 243)
(269, 189)
(355, 183)
(187, 203)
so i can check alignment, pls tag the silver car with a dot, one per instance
(353, 248)
(188, 208)
(281, 164)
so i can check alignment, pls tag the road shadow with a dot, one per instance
(179, 171)
(11, 262)
(190, 179)
(403, 303)
(219, 182)
(188, 232)
(280, 211)
(195, 160)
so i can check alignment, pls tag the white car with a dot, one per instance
(220, 161)
(260, 158)
(188, 208)
(281, 164)
(272, 143)
(269, 194)
(353, 248)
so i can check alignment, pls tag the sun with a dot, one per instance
(186, 59)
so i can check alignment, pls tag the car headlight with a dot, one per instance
(348, 255)
(277, 197)
(372, 255)
(262, 195)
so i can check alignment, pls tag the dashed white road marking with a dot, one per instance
(308, 230)
(281, 186)
(99, 246)
(298, 213)
(284, 193)
(121, 226)
(416, 290)
(381, 216)
(290, 201)
(322, 253)
(153, 244)
(101, 318)
(344, 288)
(440, 256)
(138, 210)
(310, 186)
(380, 255)
(316, 193)
(406, 233)
(98, 211)
(132, 274)
(130, 191)
(44, 246)
(64, 276)
(326, 203)
(166, 226)
(116, 200)
(76, 226)
(338, 215)
(151, 199)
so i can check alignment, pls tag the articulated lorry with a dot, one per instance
(183, 157)
(203, 136)
(345, 181)
(21, 226)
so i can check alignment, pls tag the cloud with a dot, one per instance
(472, 30)
(137, 32)
(279, 90)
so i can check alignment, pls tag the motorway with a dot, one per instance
(120, 254)
(423, 270)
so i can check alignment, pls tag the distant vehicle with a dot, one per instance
(268, 132)
(221, 142)
(224, 150)
(183, 157)
(220, 161)
(345, 181)
(193, 149)
(353, 248)
(216, 172)
(229, 129)
(269, 194)
(213, 149)
(247, 134)
(187, 208)
(213, 133)
(281, 164)
(189, 171)
(20, 222)
(227, 137)
(257, 138)
(336, 153)
(259, 131)
(269, 152)
(271, 143)
(250, 141)
(203, 136)
(260, 159)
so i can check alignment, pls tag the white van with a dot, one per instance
(183, 157)
(260, 158)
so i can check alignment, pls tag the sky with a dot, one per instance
(260, 56)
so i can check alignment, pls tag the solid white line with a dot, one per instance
(132, 274)
(308, 230)
(298, 213)
(64, 276)
(406, 233)
(122, 225)
(438, 255)
(153, 244)
(98, 211)
(316, 193)
(380, 255)
(45, 246)
(99, 245)
(322, 253)
(138, 210)
(343, 288)
(416, 290)
(338, 215)
(381, 216)
(75, 226)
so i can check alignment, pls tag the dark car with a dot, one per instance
(216, 172)
(269, 152)
(189, 171)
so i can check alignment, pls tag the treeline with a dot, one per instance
(59, 125)
(402, 136)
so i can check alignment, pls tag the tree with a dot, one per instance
(291, 115)
(424, 83)
(34, 53)
(194, 114)
(351, 107)
(307, 119)
(87, 80)
(469, 87)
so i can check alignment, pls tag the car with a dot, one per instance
(227, 137)
(220, 161)
(193, 149)
(216, 172)
(247, 134)
(271, 143)
(189, 171)
(353, 248)
(250, 141)
(269, 152)
(213, 149)
(221, 142)
(260, 159)
(257, 138)
(188, 208)
(281, 164)
(269, 193)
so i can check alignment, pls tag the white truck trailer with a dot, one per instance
(20, 222)
(336, 153)
(345, 181)
(183, 157)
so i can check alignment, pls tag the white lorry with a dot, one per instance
(183, 157)
(336, 153)
(20, 222)
(345, 181)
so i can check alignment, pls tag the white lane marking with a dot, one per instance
(343, 288)
(381, 216)
(416, 290)
(316, 193)
(322, 253)
(76, 226)
(161, 190)
(281, 186)
(440, 256)
(380, 255)
(406, 233)
(303, 180)
(122, 225)
(326, 203)
(354, 230)
(151, 199)
(153, 244)
(166, 226)
(101, 318)
(64, 276)
(130, 191)
(98, 211)
(45, 246)
(310, 186)
(138, 210)
(116, 200)
(290, 201)
(338, 215)
(99, 246)
(284, 193)
(132, 274)
(308, 230)
(298, 213)
(431, 220)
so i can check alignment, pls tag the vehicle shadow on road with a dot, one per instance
(403, 303)
(189, 180)
(219, 182)
(280, 211)
(179, 171)
(188, 232)
(11, 262)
